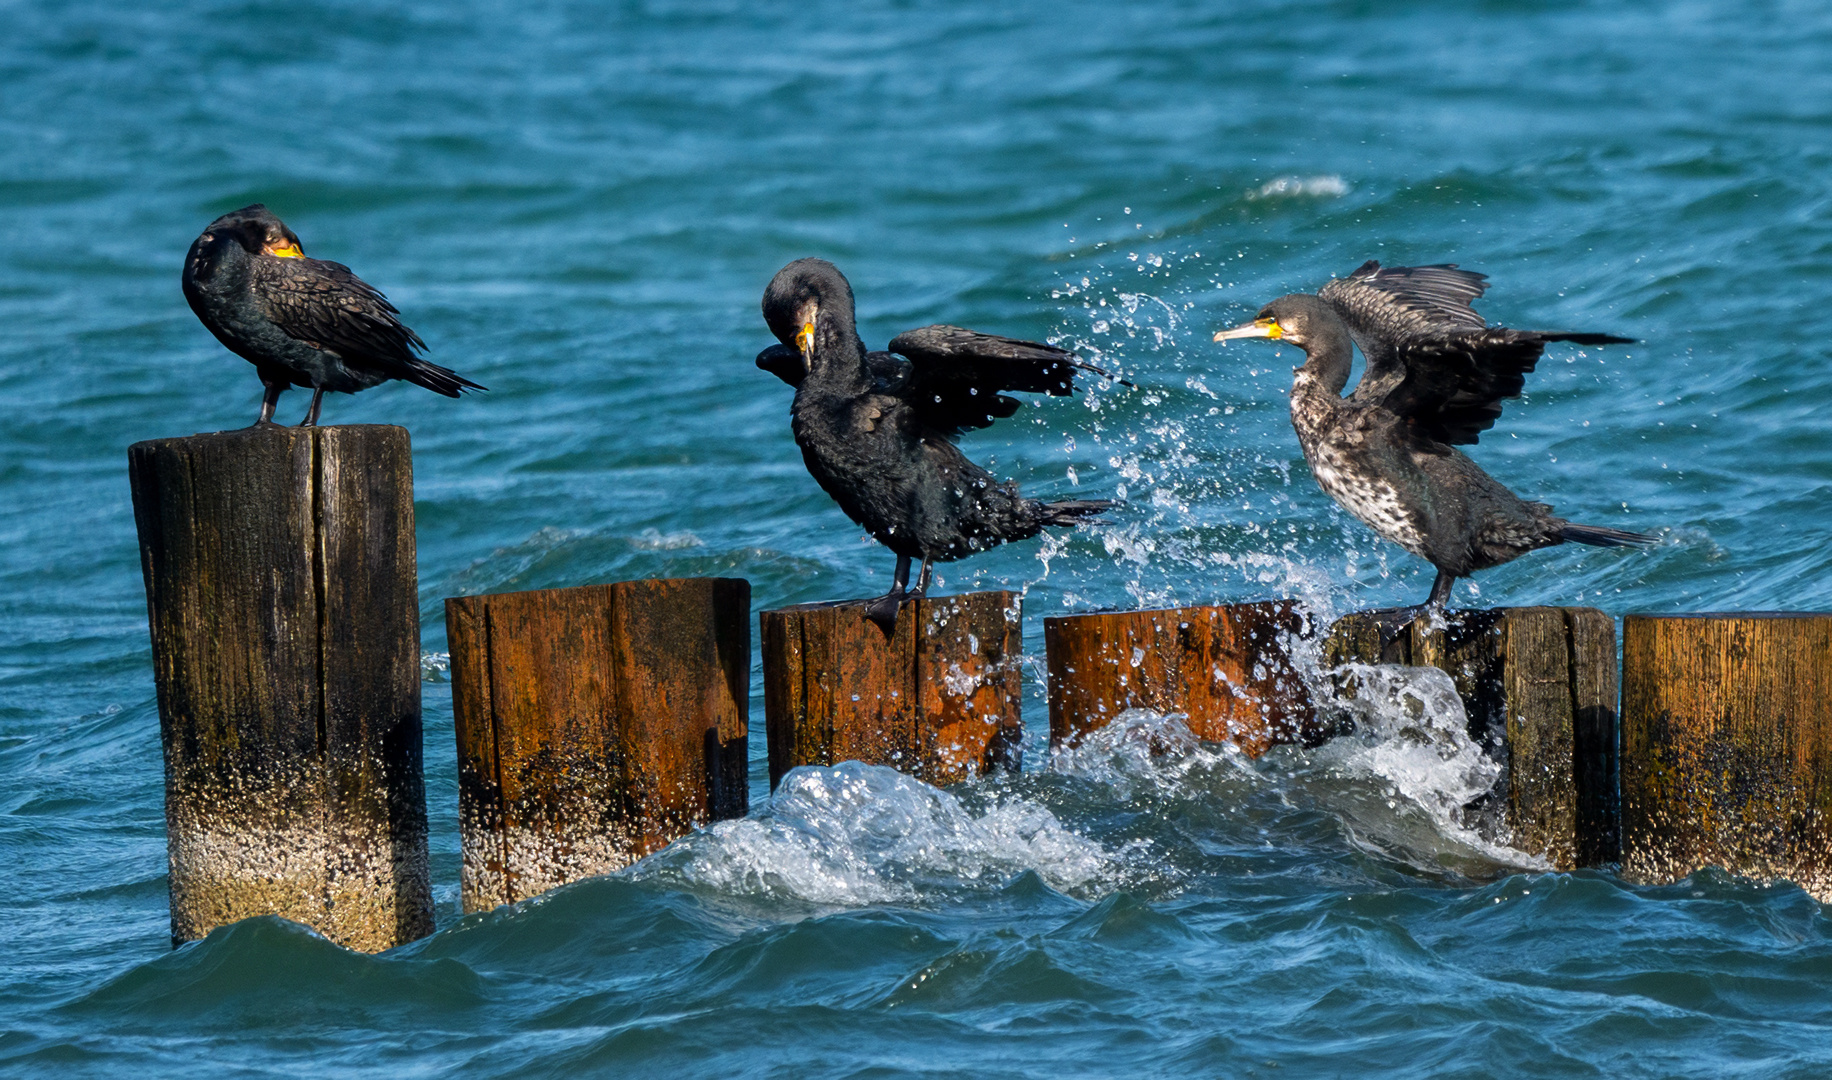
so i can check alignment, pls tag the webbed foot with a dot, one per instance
(883, 610)
(1392, 622)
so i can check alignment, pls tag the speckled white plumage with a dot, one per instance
(1345, 477)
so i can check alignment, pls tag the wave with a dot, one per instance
(854, 834)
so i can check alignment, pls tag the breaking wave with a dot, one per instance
(1400, 782)
(854, 834)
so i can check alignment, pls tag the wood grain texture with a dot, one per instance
(281, 594)
(939, 697)
(1538, 685)
(1727, 746)
(594, 726)
(1228, 670)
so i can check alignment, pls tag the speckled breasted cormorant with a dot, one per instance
(1436, 376)
(300, 321)
(877, 429)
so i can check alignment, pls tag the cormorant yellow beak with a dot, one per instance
(1266, 328)
(805, 340)
(289, 251)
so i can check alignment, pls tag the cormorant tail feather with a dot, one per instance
(1602, 536)
(440, 380)
(1590, 339)
(1073, 511)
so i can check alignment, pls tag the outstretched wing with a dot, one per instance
(326, 306)
(954, 378)
(1431, 358)
(1384, 306)
(1452, 385)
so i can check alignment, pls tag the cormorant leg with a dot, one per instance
(270, 398)
(922, 579)
(883, 610)
(311, 415)
(1440, 590)
(1394, 620)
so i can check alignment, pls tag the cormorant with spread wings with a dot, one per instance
(300, 321)
(1435, 378)
(877, 429)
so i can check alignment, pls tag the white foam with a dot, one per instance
(857, 834)
(655, 540)
(1142, 751)
(1412, 736)
(1330, 187)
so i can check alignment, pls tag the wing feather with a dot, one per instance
(955, 378)
(1431, 358)
(327, 306)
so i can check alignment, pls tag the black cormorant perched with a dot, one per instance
(300, 321)
(877, 429)
(1435, 378)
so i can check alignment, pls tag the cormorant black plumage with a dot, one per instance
(1435, 378)
(877, 429)
(300, 321)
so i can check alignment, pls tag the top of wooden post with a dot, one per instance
(1731, 615)
(263, 431)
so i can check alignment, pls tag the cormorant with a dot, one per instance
(1436, 376)
(877, 430)
(300, 321)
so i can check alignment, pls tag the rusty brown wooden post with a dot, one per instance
(1727, 746)
(938, 698)
(281, 594)
(1539, 686)
(1228, 670)
(594, 725)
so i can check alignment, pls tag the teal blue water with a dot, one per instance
(579, 206)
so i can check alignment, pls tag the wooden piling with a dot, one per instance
(594, 725)
(938, 698)
(1727, 746)
(1228, 670)
(1539, 687)
(281, 595)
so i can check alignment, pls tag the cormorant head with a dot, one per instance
(1298, 318)
(808, 300)
(257, 230)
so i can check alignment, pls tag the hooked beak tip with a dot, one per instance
(1258, 328)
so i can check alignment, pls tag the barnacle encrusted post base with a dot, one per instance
(939, 696)
(1228, 670)
(594, 725)
(281, 595)
(1727, 746)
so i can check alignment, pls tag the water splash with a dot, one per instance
(1410, 738)
(855, 834)
(1141, 751)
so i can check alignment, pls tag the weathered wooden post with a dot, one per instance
(595, 725)
(1727, 746)
(1539, 687)
(1229, 670)
(281, 595)
(938, 698)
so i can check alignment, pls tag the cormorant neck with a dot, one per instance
(220, 263)
(1328, 354)
(838, 356)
